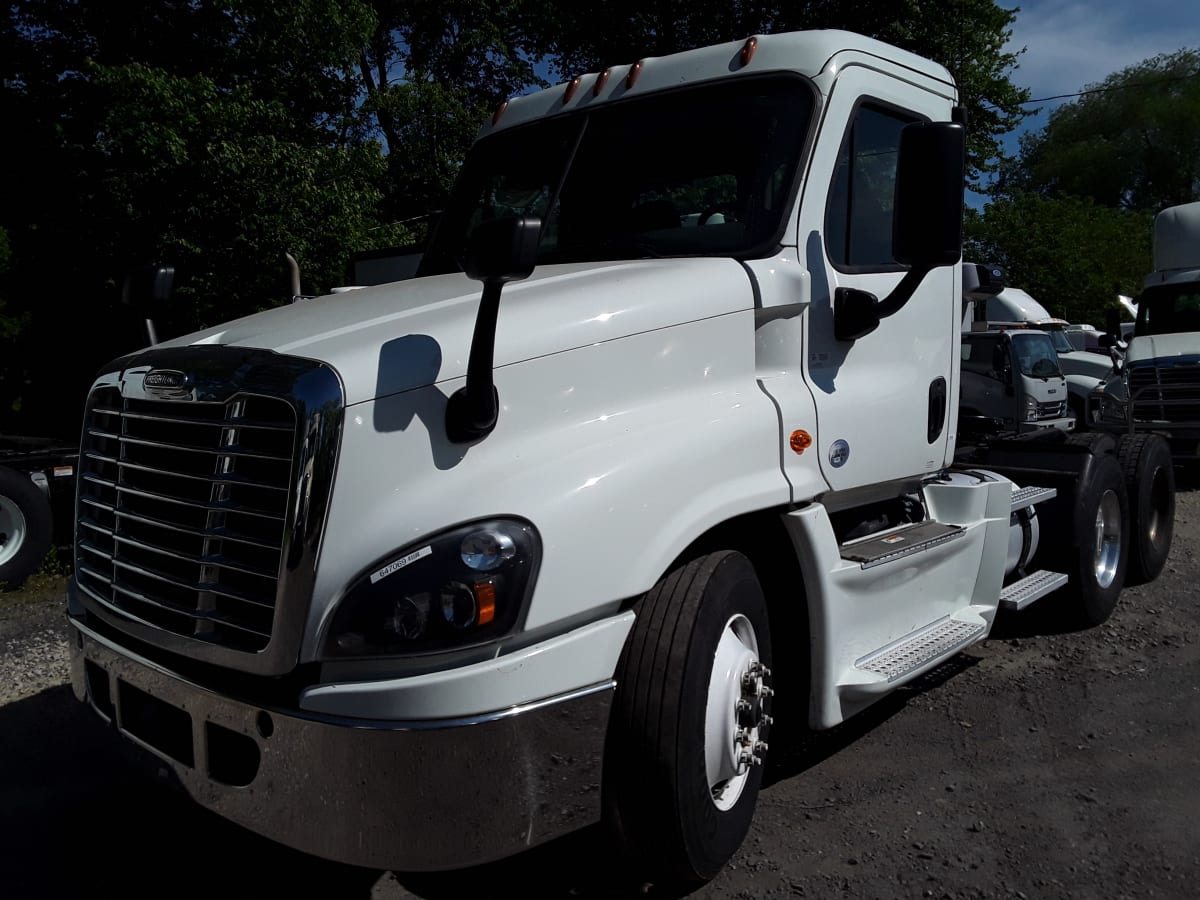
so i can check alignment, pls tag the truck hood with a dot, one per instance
(406, 335)
(1083, 362)
(1167, 347)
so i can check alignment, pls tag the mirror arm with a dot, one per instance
(903, 292)
(473, 409)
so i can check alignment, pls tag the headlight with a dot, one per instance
(462, 587)
(1112, 408)
(1031, 410)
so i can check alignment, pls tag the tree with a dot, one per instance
(1071, 254)
(968, 38)
(431, 72)
(215, 135)
(1133, 142)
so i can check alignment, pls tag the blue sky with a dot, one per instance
(1070, 44)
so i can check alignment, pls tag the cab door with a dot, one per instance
(885, 402)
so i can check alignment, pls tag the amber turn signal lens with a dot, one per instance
(634, 71)
(485, 600)
(499, 112)
(800, 440)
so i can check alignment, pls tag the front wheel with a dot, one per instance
(687, 737)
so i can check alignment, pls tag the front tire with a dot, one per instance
(687, 737)
(1150, 482)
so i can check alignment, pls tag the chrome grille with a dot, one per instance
(1052, 410)
(182, 510)
(1165, 393)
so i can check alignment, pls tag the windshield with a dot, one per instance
(1035, 356)
(707, 171)
(1060, 341)
(1168, 309)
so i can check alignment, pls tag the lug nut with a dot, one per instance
(765, 721)
(760, 748)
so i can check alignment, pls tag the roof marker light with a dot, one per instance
(634, 71)
(748, 49)
(572, 87)
(601, 81)
(499, 112)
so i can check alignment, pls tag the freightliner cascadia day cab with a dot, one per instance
(1161, 370)
(658, 447)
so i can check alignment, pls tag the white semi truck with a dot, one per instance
(1161, 371)
(414, 577)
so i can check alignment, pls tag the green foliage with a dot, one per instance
(1070, 254)
(967, 38)
(1134, 143)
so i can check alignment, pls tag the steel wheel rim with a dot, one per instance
(1108, 538)
(734, 713)
(1160, 498)
(12, 529)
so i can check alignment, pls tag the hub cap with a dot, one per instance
(736, 713)
(1108, 538)
(12, 529)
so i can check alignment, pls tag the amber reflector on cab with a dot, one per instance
(748, 49)
(800, 440)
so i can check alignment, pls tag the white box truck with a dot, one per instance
(417, 577)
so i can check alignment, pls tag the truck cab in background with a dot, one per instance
(1158, 389)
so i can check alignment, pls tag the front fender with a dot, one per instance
(620, 454)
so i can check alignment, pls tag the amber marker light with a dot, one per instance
(601, 81)
(748, 49)
(634, 71)
(800, 440)
(572, 87)
(499, 112)
(485, 599)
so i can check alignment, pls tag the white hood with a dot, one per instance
(1167, 347)
(401, 336)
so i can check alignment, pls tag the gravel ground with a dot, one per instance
(1037, 764)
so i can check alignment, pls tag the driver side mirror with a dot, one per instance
(503, 250)
(927, 222)
(1112, 322)
(1000, 364)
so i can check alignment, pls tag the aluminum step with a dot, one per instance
(875, 551)
(942, 638)
(1020, 594)
(1027, 496)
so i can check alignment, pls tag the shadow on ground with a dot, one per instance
(82, 814)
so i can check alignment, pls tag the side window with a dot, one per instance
(977, 355)
(858, 219)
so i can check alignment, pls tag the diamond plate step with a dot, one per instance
(1020, 594)
(1027, 496)
(943, 638)
(910, 539)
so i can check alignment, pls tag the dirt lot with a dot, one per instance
(1037, 765)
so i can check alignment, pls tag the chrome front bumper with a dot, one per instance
(412, 796)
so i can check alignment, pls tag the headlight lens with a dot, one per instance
(1112, 408)
(1031, 410)
(463, 587)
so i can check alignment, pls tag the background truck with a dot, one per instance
(1012, 308)
(418, 576)
(1158, 389)
(37, 503)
